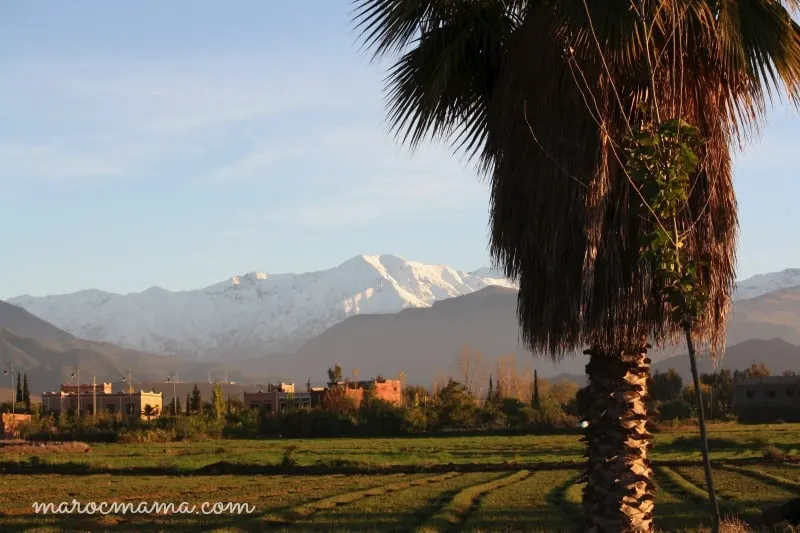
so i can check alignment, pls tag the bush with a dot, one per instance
(674, 409)
(139, 435)
(289, 459)
(773, 453)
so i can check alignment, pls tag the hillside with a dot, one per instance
(23, 323)
(778, 355)
(255, 314)
(50, 363)
(49, 358)
(422, 342)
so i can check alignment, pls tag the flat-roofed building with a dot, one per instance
(276, 400)
(145, 404)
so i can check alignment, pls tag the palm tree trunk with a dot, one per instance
(618, 494)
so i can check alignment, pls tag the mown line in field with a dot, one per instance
(228, 468)
(455, 512)
(728, 503)
(766, 477)
(562, 497)
(305, 510)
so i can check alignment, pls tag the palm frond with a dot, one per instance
(545, 91)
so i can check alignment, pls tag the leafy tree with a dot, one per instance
(218, 404)
(755, 370)
(562, 392)
(416, 395)
(666, 386)
(336, 400)
(688, 396)
(566, 216)
(335, 374)
(149, 411)
(26, 392)
(457, 406)
(722, 392)
(678, 409)
(517, 413)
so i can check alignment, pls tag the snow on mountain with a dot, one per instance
(256, 313)
(762, 284)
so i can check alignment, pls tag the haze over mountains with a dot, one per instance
(381, 314)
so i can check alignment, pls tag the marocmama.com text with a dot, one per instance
(120, 508)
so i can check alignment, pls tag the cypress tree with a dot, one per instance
(19, 388)
(188, 405)
(177, 408)
(490, 394)
(196, 400)
(26, 393)
(535, 389)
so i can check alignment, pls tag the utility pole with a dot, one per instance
(76, 373)
(174, 394)
(10, 370)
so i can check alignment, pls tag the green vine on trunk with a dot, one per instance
(661, 160)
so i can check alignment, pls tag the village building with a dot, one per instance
(767, 391)
(277, 398)
(82, 399)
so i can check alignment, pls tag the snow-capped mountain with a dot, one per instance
(762, 284)
(255, 314)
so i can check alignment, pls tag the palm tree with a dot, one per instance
(542, 93)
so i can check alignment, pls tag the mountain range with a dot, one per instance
(381, 314)
(258, 314)
(255, 314)
(48, 355)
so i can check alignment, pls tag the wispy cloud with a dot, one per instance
(375, 178)
(21, 161)
(144, 106)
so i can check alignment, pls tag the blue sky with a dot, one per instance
(178, 143)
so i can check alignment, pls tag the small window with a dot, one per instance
(253, 406)
(750, 394)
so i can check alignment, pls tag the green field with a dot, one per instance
(492, 483)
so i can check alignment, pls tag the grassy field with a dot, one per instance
(478, 484)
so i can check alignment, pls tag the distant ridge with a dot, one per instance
(422, 342)
(48, 355)
(23, 323)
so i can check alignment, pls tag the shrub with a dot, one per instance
(289, 459)
(674, 409)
